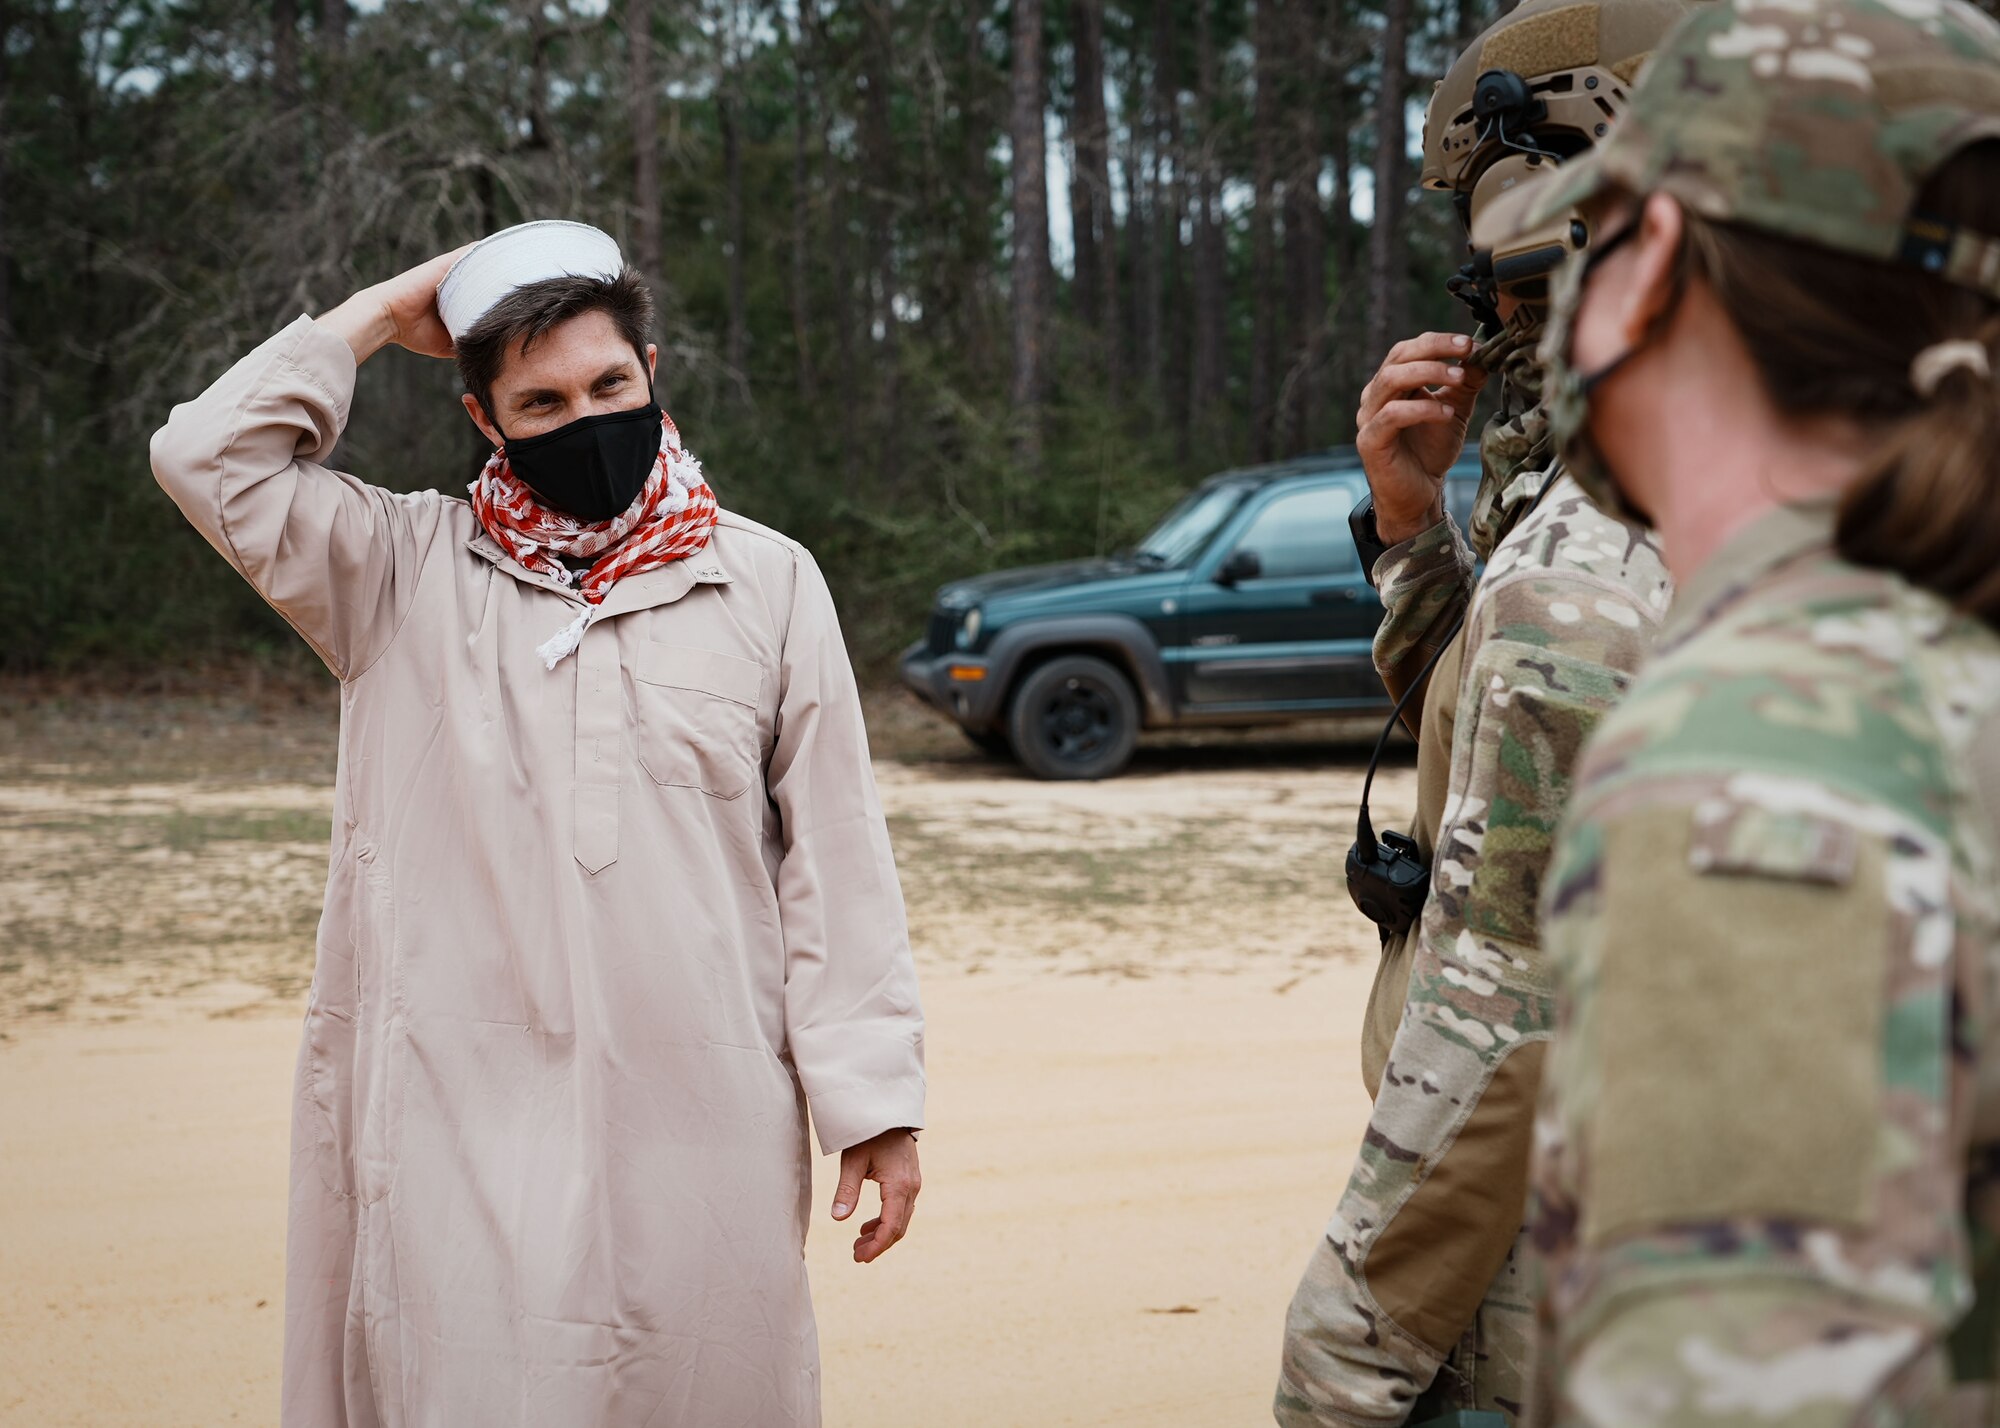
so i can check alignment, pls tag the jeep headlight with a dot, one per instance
(968, 629)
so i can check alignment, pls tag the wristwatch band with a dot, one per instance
(1368, 542)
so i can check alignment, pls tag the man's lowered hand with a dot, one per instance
(890, 1160)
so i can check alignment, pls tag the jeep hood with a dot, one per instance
(1028, 579)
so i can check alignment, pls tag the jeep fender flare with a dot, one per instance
(1119, 638)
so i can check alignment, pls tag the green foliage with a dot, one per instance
(181, 177)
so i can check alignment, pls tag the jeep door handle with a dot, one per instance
(1340, 595)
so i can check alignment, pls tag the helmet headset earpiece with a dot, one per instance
(1506, 110)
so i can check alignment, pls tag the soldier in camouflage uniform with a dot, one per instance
(1767, 1185)
(1415, 1300)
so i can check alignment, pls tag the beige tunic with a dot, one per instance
(594, 940)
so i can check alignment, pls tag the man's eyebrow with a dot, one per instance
(623, 368)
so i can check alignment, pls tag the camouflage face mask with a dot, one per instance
(1566, 391)
(1515, 449)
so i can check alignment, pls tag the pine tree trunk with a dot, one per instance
(843, 215)
(732, 169)
(984, 331)
(1266, 35)
(540, 133)
(1211, 278)
(881, 181)
(1386, 319)
(1347, 250)
(644, 104)
(846, 334)
(801, 224)
(1174, 327)
(1348, 302)
(1145, 243)
(1468, 19)
(1103, 217)
(338, 153)
(1132, 320)
(1093, 161)
(333, 60)
(1031, 226)
(1086, 128)
(6, 248)
(1305, 235)
(1082, 230)
(288, 155)
(1163, 181)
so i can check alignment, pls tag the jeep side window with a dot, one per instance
(1302, 534)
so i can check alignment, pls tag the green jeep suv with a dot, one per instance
(1246, 605)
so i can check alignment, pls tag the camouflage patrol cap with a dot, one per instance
(1817, 120)
(1579, 59)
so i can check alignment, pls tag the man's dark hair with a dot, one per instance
(529, 312)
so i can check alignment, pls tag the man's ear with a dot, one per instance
(652, 361)
(478, 415)
(1650, 293)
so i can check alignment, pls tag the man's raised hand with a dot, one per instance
(1411, 427)
(402, 310)
(890, 1159)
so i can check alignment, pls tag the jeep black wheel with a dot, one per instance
(1074, 717)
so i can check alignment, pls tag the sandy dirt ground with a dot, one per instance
(1143, 998)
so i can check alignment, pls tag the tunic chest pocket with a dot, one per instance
(697, 712)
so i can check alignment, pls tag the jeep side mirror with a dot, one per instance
(1241, 565)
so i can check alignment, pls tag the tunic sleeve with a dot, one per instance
(336, 557)
(1753, 1143)
(853, 1022)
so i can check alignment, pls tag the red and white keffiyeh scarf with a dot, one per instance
(670, 520)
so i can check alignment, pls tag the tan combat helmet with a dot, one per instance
(1540, 86)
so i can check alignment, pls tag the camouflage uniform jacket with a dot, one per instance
(1418, 1263)
(1767, 1185)
(1425, 584)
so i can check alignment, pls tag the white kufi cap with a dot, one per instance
(513, 258)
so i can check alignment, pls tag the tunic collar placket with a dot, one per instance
(600, 704)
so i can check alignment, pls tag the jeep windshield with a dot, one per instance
(1185, 532)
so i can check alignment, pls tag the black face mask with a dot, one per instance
(594, 467)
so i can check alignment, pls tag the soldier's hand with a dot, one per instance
(1411, 427)
(402, 310)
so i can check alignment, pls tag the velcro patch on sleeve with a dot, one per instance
(1739, 1020)
(1735, 838)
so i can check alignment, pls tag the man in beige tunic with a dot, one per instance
(611, 903)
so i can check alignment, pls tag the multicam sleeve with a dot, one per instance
(1753, 1153)
(1425, 584)
(1436, 1199)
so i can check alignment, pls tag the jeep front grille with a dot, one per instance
(943, 630)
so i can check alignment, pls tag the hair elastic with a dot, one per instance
(1931, 366)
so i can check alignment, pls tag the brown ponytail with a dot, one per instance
(1930, 505)
(1830, 332)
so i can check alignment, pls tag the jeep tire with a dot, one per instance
(992, 743)
(1072, 718)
